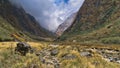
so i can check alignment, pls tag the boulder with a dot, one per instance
(23, 48)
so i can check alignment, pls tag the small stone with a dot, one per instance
(54, 52)
(55, 61)
(69, 57)
(34, 66)
(48, 63)
(41, 59)
(74, 41)
(87, 54)
(110, 59)
(95, 63)
(37, 54)
(118, 61)
(53, 45)
(57, 65)
(117, 50)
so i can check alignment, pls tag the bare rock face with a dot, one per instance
(67, 23)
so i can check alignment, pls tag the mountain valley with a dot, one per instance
(89, 38)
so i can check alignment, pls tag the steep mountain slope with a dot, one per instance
(19, 20)
(67, 23)
(96, 20)
(5, 30)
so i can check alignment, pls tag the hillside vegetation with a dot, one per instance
(5, 30)
(97, 21)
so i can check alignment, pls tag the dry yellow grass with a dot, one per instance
(10, 60)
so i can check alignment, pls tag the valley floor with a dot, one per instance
(56, 55)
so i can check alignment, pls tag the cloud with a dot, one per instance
(50, 13)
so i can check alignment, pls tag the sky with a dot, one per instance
(60, 1)
(50, 13)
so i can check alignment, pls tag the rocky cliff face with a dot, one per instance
(20, 20)
(67, 23)
(96, 20)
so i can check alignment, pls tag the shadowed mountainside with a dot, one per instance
(14, 19)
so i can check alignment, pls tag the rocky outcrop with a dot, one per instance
(110, 55)
(48, 58)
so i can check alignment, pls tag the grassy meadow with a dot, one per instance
(8, 59)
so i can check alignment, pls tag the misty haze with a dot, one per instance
(50, 13)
